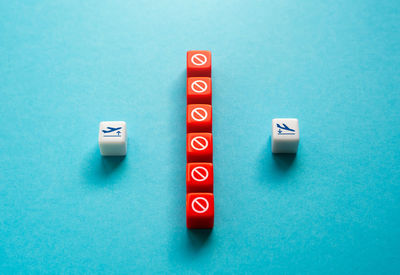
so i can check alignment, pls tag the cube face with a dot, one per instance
(285, 135)
(198, 118)
(199, 210)
(199, 147)
(198, 63)
(199, 90)
(199, 177)
(112, 138)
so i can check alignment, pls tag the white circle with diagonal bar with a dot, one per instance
(200, 205)
(199, 114)
(199, 143)
(199, 86)
(199, 173)
(199, 59)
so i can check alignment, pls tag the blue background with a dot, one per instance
(67, 65)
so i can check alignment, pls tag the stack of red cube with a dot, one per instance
(199, 147)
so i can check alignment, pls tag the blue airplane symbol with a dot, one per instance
(284, 128)
(111, 129)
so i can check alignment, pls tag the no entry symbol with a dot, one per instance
(200, 205)
(199, 86)
(199, 59)
(199, 114)
(199, 143)
(199, 173)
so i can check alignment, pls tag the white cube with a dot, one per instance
(112, 138)
(285, 135)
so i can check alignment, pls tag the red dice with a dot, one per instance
(199, 147)
(198, 118)
(199, 177)
(200, 210)
(199, 143)
(198, 63)
(198, 90)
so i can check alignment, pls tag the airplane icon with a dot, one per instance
(286, 128)
(111, 129)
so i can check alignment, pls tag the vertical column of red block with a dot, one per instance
(199, 147)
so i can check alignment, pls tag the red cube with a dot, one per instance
(198, 63)
(199, 177)
(198, 90)
(199, 210)
(199, 118)
(199, 147)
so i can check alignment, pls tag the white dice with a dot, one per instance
(112, 138)
(285, 135)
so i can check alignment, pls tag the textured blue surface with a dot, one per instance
(66, 65)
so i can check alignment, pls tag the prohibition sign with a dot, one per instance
(199, 143)
(199, 59)
(199, 114)
(199, 173)
(200, 205)
(199, 86)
